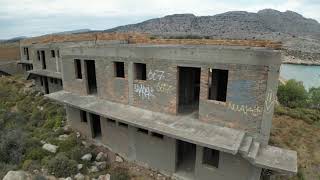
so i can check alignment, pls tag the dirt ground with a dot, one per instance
(296, 134)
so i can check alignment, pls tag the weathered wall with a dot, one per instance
(110, 87)
(158, 92)
(116, 137)
(54, 85)
(38, 85)
(157, 153)
(244, 105)
(51, 63)
(74, 119)
(230, 167)
(249, 102)
(9, 51)
(70, 82)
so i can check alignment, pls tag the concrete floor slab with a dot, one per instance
(46, 73)
(185, 128)
(278, 159)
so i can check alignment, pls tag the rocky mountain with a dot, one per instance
(295, 31)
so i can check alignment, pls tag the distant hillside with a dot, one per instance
(74, 31)
(295, 31)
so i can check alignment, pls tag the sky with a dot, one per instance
(38, 17)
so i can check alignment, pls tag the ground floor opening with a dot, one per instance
(186, 159)
(96, 126)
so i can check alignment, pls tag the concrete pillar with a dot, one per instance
(130, 82)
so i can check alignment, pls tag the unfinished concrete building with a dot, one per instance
(191, 111)
(41, 58)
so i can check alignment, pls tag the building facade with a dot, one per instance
(191, 111)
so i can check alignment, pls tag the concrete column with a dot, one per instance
(132, 144)
(270, 100)
(255, 174)
(57, 62)
(130, 82)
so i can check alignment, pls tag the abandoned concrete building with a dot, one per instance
(190, 111)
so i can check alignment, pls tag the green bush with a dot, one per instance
(62, 166)
(68, 144)
(314, 95)
(292, 94)
(36, 153)
(12, 146)
(77, 152)
(120, 173)
(29, 165)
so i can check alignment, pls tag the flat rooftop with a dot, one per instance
(178, 53)
(143, 38)
(184, 128)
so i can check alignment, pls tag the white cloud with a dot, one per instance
(65, 14)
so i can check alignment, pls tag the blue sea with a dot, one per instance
(309, 75)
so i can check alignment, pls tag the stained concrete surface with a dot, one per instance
(191, 130)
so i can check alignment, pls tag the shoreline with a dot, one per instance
(303, 63)
(298, 61)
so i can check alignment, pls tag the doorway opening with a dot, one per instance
(189, 89)
(43, 57)
(96, 126)
(91, 76)
(46, 85)
(186, 159)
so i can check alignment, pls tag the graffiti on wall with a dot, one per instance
(156, 75)
(145, 92)
(164, 87)
(271, 99)
(160, 85)
(245, 109)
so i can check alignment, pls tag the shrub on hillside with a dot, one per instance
(62, 166)
(120, 173)
(310, 116)
(314, 94)
(30, 165)
(12, 146)
(292, 94)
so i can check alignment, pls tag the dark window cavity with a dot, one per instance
(26, 52)
(51, 80)
(144, 131)
(218, 83)
(83, 115)
(121, 124)
(119, 69)
(38, 55)
(211, 157)
(56, 81)
(53, 54)
(157, 135)
(111, 121)
(43, 57)
(41, 81)
(140, 71)
(77, 67)
(91, 76)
